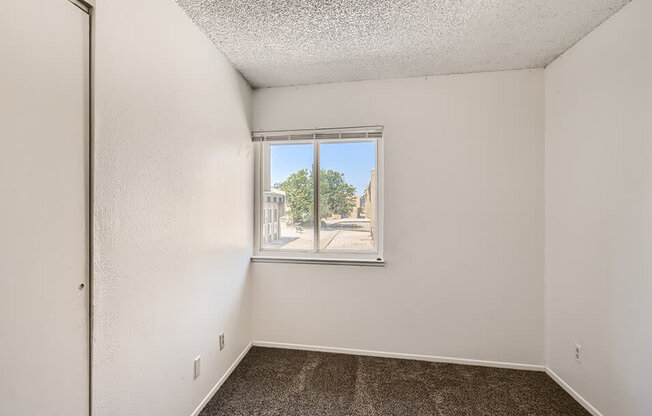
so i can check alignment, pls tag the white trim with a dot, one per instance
(418, 357)
(322, 133)
(316, 163)
(380, 197)
(315, 255)
(83, 5)
(581, 400)
(311, 260)
(221, 381)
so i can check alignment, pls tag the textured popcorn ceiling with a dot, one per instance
(290, 42)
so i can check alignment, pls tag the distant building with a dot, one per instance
(273, 210)
(369, 203)
(356, 212)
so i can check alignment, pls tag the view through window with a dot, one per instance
(346, 195)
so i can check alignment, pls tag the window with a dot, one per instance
(322, 192)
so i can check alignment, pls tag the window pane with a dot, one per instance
(287, 201)
(347, 196)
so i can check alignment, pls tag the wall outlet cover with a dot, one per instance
(197, 367)
(578, 353)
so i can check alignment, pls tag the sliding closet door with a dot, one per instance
(44, 206)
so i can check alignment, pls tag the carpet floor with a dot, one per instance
(275, 382)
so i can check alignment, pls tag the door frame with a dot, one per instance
(88, 7)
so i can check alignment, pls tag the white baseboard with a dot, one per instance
(221, 381)
(418, 357)
(581, 400)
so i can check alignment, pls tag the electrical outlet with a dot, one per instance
(197, 366)
(221, 341)
(578, 353)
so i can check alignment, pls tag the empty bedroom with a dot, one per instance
(326, 208)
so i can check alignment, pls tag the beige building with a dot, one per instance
(274, 209)
(369, 202)
(356, 212)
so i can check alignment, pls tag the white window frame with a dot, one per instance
(316, 137)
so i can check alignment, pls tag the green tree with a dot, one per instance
(299, 195)
(336, 195)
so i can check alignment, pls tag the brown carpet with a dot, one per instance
(274, 382)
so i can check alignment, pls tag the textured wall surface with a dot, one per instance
(173, 211)
(463, 221)
(275, 43)
(598, 214)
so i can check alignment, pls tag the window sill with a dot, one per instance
(327, 261)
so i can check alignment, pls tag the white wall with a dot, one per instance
(599, 214)
(463, 221)
(173, 208)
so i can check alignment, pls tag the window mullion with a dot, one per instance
(315, 176)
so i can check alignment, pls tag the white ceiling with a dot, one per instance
(291, 42)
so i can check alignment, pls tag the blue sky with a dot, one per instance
(354, 160)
